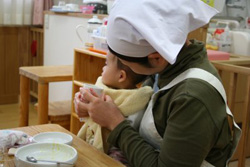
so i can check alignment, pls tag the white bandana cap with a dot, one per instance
(137, 28)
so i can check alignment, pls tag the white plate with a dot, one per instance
(53, 137)
(45, 151)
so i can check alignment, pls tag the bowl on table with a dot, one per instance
(46, 151)
(53, 137)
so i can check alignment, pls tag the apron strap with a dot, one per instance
(198, 73)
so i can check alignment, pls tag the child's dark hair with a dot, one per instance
(132, 76)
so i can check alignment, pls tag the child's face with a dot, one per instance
(111, 73)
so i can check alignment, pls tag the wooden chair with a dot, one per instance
(236, 80)
(59, 113)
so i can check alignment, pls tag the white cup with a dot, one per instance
(97, 90)
(61, 3)
(72, 7)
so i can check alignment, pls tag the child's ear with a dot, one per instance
(123, 76)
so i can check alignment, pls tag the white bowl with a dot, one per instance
(53, 137)
(45, 151)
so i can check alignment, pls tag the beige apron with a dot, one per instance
(147, 127)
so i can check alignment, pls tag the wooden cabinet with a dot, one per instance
(87, 68)
(15, 43)
(13, 52)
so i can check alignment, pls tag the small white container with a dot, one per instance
(97, 90)
(100, 43)
(93, 24)
(73, 7)
(53, 137)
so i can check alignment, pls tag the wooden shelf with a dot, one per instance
(87, 65)
(87, 68)
(78, 83)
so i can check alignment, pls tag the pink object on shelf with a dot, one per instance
(217, 55)
(87, 9)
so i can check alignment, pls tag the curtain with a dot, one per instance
(39, 7)
(16, 12)
(23, 12)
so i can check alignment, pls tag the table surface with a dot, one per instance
(88, 156)
(45, 74)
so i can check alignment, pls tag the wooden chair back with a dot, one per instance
(236, 80)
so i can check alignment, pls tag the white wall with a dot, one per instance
(60, 39)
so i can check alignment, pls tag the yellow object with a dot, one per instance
(217, 4)
(212, 47)
(129, 101)
(209, 2)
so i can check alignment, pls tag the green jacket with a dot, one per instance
(191, 118)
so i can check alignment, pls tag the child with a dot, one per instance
(120, 83)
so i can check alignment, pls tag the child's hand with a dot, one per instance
(90, 90)
(102, 110)
(82, 91)
(80, 111)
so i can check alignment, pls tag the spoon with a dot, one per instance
(34, 160)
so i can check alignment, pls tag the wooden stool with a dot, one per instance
(43, 75)
(59, 113)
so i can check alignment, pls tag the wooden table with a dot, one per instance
(42, 75)
(88, 156)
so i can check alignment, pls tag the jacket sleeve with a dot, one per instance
(188, 136)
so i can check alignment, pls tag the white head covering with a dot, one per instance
(137, 28)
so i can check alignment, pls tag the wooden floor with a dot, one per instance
(9, 117)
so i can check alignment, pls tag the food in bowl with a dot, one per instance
(45, 151)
